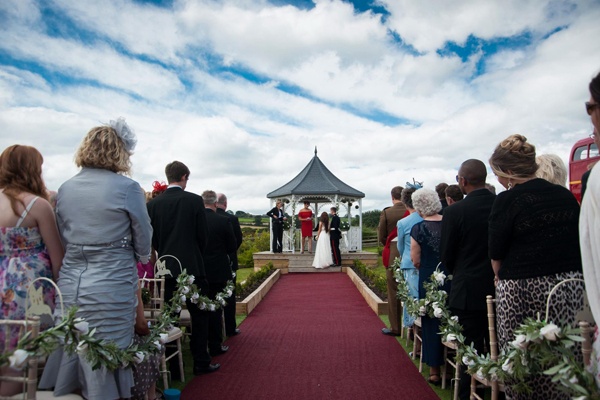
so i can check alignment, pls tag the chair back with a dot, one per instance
(34, 299)
(584, 314)
(491, 314)
(154, 306)
(160, 266)
(28, 379)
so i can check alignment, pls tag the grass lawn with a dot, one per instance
(243, 273)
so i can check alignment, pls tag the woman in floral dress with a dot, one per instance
(29, 239)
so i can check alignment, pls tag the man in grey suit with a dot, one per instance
(179, 222)
(464, 252)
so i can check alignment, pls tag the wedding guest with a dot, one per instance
(464, 253)
(180, 230)
(589, 223)
(440, 188)
(387, 226)
(104, 224)
(425, 255)
(552, 169)
(29, 240)
(306, 227)
(277, 217)
(147, 270)
(453, 194)
(229, 310)
(335, 234)
(411, 274)
(323, 258)
(221, 242)
(533, 245)
(491, 188)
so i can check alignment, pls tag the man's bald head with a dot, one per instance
(474, 173)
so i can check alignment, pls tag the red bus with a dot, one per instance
(583, 153)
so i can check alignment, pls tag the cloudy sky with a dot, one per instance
(243, 90)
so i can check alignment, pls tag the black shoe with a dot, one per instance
(389, 332)
(206, 370)
(235, 332)
(218, 351)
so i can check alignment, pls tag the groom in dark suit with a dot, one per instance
(464, 251)
(335, 234)
(179, 222)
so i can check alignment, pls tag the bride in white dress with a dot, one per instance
(323, 257)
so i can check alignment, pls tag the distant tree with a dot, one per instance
(258, 220)
(241, 214)
(371, 218)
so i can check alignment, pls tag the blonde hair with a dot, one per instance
(552, 169)
(514, 158)
(103, 148)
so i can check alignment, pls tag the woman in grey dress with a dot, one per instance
(105, 228)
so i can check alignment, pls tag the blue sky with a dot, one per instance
(242, 91)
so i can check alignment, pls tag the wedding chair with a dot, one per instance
(450, 349)
(495, 385)
(417, 342)
(29, 377)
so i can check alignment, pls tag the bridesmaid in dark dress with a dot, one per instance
(305, 217)
(425, 255)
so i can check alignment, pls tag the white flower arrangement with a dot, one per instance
(539, 347)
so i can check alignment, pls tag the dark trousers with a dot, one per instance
(229, 313)
(277, 236)
(335, 249)
(215, 319)
(475, 329)
(394, 304)
(199, 320)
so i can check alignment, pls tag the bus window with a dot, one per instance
(580, 153)
(594, 150)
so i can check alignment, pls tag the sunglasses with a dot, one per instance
(589, 107)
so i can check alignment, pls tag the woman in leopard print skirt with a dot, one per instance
(533, 245)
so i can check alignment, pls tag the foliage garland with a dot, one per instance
(75, 335)
(540, 347)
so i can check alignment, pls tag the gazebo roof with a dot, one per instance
(315, 179)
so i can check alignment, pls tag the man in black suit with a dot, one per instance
(335, 235)
(229, 311)
(464, 252)
(221, 243)
(277, 217)
(179, 223)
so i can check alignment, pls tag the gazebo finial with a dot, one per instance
(315, 151)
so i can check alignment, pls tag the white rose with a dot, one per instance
(18, 358)
(164, 337)
(480, 373)
(194, 298)
(182, 298)
(177, 309)
(443, 292)
(422, 310)
(507, 366)
(550, 332)
(81, 347)
(185, 290)
(191, 279)
(82, 326)
(229, 293)
(520, 342)
(467, 361)
(574, 380)
(202, 306)
(157, 344)
(439, 277)
(450, 337)
(139, 357)
(211, 307)
(233, 274)
(454, 318)
(438, 312)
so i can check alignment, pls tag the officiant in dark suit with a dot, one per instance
(179, 222)
(464, 252)
(221, 243)
(229, 311)
(277, 217)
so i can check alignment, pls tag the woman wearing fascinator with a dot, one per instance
(102, 218)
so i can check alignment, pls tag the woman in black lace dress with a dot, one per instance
(533, 245)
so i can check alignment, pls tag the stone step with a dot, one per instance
(311, 269)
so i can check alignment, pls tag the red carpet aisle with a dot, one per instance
(313, 337)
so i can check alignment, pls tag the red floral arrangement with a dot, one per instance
(158, 188)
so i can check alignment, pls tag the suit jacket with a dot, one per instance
(237, 231)
(334, 227)
(464, 250)
(274, 212)
(179, 222)
(221, 243)
(388, 219)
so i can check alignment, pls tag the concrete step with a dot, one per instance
(311, 269)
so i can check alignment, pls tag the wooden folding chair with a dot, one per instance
(450, 349)
(417, 343)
